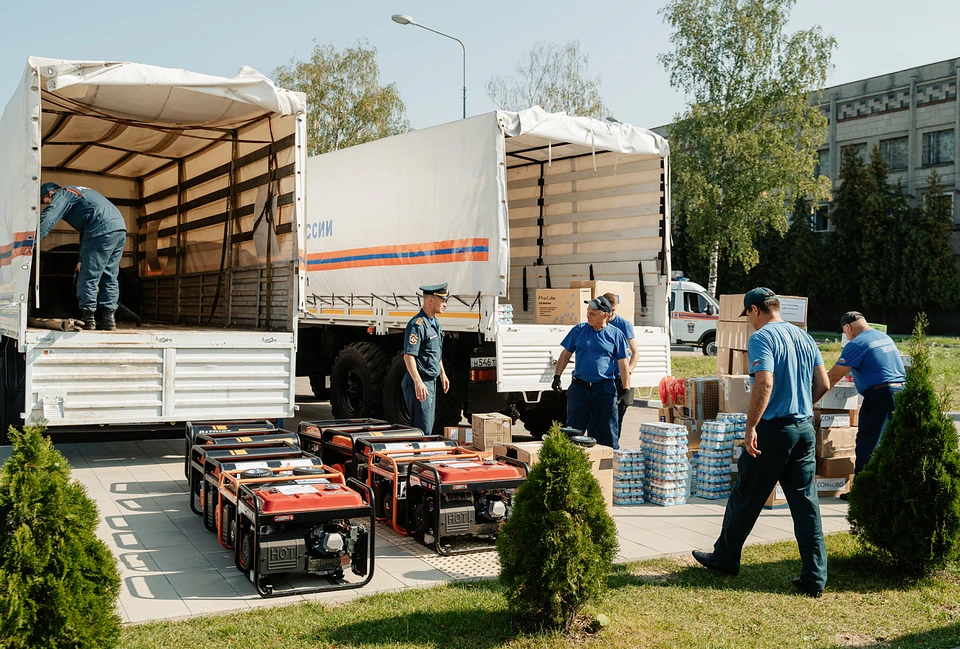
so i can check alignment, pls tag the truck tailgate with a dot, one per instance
(162, 375)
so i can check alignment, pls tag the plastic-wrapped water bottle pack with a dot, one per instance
(739, 420)
(665, 463)
(628, 477)
(715, 458)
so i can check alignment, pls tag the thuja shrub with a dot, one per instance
(905, 504)
(558, 546)
(58, 582)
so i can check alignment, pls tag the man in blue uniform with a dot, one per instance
(422, 352)
(878, 373)
(592, 395)
(626, 328)
(788, 377)
(102, 236)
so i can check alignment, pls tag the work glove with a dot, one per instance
(626, 397)
(556, 383)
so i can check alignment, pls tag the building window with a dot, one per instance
(821, 222)
(859, 150)
(822, 166)
(895, 152)
(937, 148)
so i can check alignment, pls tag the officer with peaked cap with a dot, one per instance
(102, 237)
(422, 352)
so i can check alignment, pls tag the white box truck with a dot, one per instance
(498, 206)
(207, 173)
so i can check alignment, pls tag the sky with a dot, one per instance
(621, 37)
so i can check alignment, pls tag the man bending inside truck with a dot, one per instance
(102, 237)
(422, 354)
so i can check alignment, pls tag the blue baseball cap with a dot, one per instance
(599, 303)
(46, 188)
(756, 297)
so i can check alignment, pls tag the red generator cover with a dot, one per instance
(292, 497)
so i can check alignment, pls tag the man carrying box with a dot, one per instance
(878, 373)
(779, 444)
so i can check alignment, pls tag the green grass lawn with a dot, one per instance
(944, 362)
(660, 603)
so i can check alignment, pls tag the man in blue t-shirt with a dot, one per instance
(874, 360)
(592, 395)
(780, 442)
(625, 327)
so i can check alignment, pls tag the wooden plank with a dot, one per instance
(572, 197)
(652, 209)
(603, 235)
(618, 170)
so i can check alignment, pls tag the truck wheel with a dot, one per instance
(394, 407)
(538, 417)
(449, 410)
(356, 387)
(709, 345)
(318, 385)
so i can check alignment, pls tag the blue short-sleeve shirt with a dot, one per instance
(791, 354)
(873, 359)
(626, 327)
(423, 339)
(595, 352)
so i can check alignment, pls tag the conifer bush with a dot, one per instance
(905, 504)
(59, 583)
(558, 546)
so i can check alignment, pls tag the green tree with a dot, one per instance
(881, 212)
(800, 258)
(551, 76)
(346, 105)
(745, 145)
(905, 504)
(558, 546)
(931, 252)
(58, 582)
(845, 242)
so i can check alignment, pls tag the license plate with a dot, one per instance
(488, 361)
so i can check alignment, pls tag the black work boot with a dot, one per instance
(89, 319)
(106, 320)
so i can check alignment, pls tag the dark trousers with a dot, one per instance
(878, 406)
(97, 284)
(593, 409)
(786, 455)
(621, 408)
(421, 412)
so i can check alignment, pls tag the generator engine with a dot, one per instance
(480, 514)
(325, 550)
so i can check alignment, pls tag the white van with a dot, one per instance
(694, 314)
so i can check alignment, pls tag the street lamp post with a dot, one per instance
(402, 19)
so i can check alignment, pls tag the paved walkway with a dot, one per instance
(172, 567)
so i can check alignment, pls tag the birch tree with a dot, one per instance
(743, 148)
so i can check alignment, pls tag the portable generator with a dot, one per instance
(302, 523)
(388, 463)
(220, 429)
(337, 441)
(220, 503)
(457, 505)
(237, 447)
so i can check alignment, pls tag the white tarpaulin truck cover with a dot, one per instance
(147, 98)
(430, 206)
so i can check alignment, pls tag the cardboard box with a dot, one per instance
(461, 434)
(601, 466)
(665, 415)
(491, 428)
(626, 307)
(835, 467)
(739, 362)
(833, 487)
(702, 397)
(831, 420)
(836, 442)
(852, 415)
(528, 452)
(733, 335)
(723, 361)
(776, 499)
(693, 431)
(736, 393)
(562, 305)
(792, 308)
(839, 397)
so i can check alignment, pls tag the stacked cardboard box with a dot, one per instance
(665, 463)
(702, 398)
(733, 331)
(735, 392)
(489, 429)
(562, 305)
(628, 473)
(624, 291)
(715, 457)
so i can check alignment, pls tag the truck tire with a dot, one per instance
(356, 387)
(537, 418)
(449, 408)
(318, 385)
(709, 345)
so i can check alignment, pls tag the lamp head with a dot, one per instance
(402, 19)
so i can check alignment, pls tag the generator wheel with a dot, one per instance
(228, 525)
(246, 552)
(537, 418)
(356, 387)
(256, 474)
